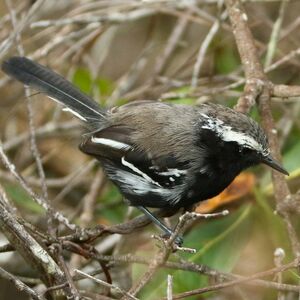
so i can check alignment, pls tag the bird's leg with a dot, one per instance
(168, 232)
(161, 225)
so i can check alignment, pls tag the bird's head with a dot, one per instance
(241, 134)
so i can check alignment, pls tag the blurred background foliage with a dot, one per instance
(118, 62)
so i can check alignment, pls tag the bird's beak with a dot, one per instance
(271, 162)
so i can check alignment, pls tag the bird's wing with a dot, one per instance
(139, 175)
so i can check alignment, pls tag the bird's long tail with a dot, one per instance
(56, 87)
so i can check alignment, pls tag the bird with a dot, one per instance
(160, 155)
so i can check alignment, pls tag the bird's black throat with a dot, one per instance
(223, 162)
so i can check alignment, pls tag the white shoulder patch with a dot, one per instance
(111, 143)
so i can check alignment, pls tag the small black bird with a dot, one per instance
(158, 154)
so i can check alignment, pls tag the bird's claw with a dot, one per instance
(178, 240)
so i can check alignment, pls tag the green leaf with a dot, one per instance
(184, 90)
(82, 78)
(105, 86)
(186, 101)
(273, 224)
(113, 214)
(213, 236)
(22, 199)
(226, 60)
(291, 159)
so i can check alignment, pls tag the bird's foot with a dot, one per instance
(178, 240)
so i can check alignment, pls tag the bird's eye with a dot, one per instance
(246, 151)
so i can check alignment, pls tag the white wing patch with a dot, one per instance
(227, 134)
(173, 172)
(137, 185)
(136, 182)
(138, 171)
(111, 143)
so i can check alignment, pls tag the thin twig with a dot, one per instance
(204, 47)
(32, 134)
(255, 72)
(279, 255)
(104, 283)
(22, 287)
(39, 200)
(113, 17)
(28, 247)
(170, 287)
(275, 34)
(6, 44)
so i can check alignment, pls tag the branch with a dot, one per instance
(28, 247)
(259, 88)
(20, 285)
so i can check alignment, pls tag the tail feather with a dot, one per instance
(56, 87)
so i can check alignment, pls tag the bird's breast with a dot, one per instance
(207, 186)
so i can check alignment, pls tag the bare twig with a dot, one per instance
(104, 283)
(89, 200)
(203, 49)
(247, 280)
(262, 87)
(75, 179)
(170, 287)
(283, 60)
(72, 36)
(113, 17)
(33, 145)
(49, 129)
(73, 290)
(20, 285)
(7, 43)
(171, 45)
(279, 255)
(275, 34)
(202, 269)
(158, 260)
(29, 248)
(12, 168)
